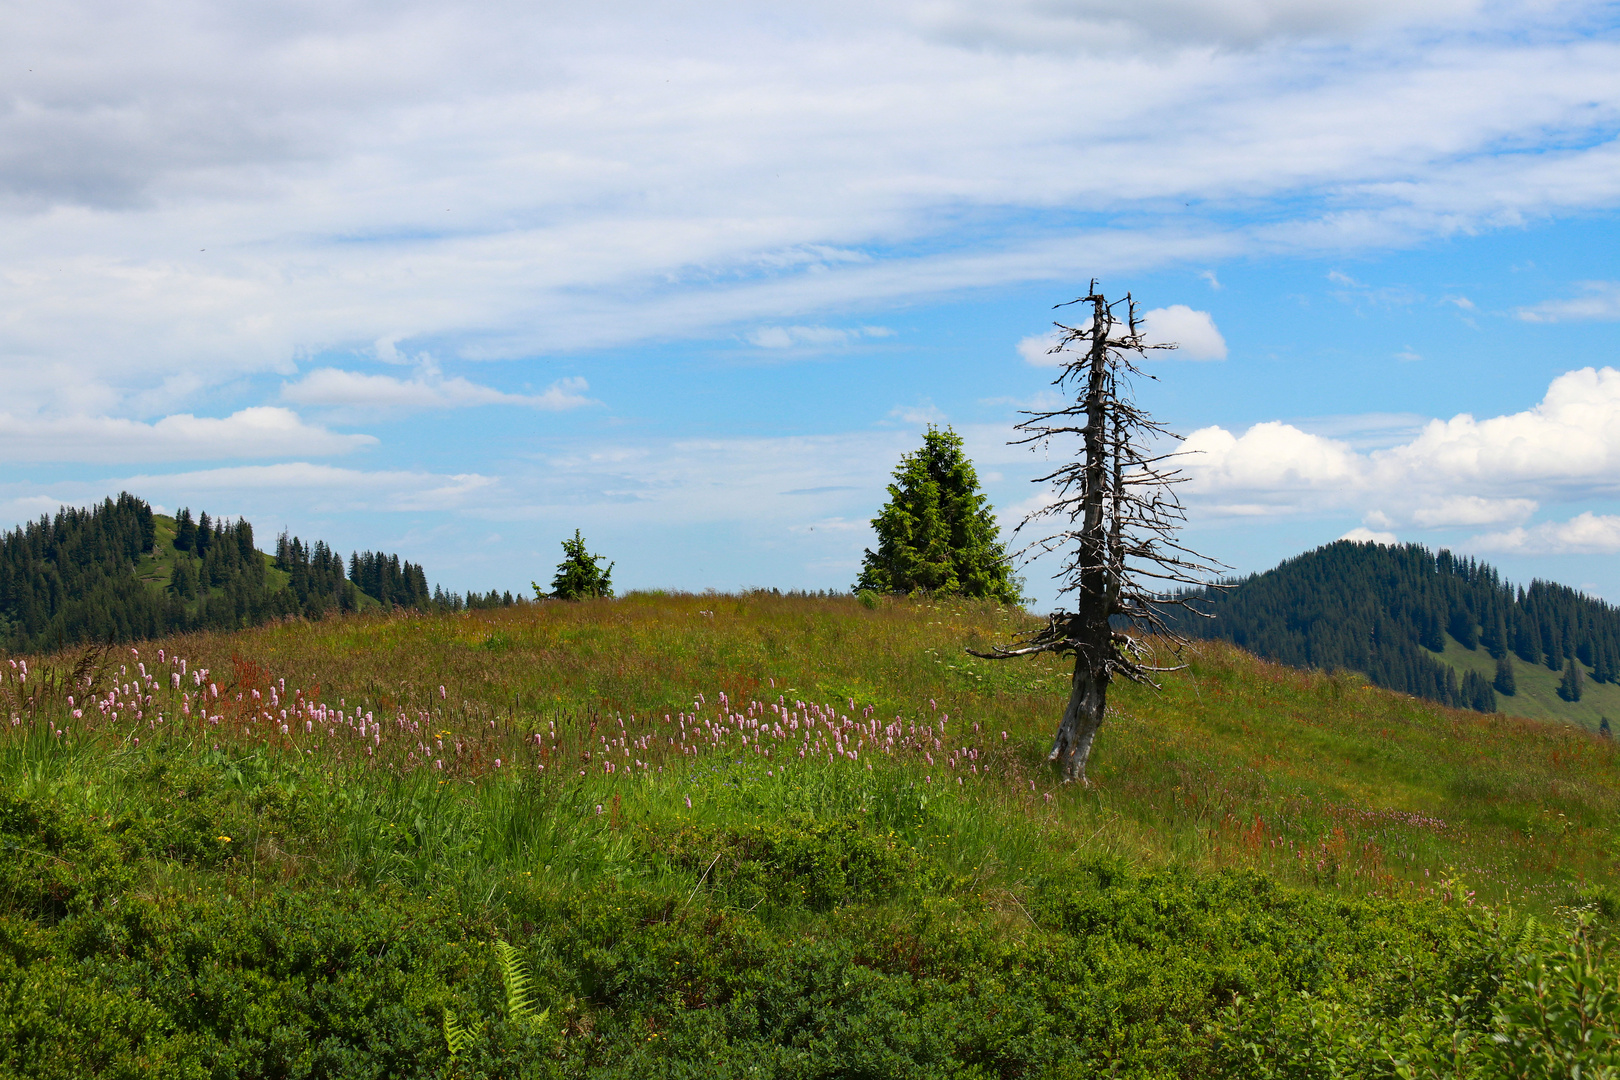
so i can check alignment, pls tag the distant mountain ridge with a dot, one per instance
(1390, 611)
(118, 572)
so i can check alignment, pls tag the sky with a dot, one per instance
(452, 281)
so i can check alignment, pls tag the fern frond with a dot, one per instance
(456, 1035)
(519, 985)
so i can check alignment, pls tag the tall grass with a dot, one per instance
(514, 751)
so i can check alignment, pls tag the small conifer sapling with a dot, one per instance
(579, 576)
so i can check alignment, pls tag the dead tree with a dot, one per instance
(1114, 520)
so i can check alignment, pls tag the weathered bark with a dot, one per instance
(1088, 700)
(1119, 516)
(1088, 692)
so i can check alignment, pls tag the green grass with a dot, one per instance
(207, 888)
(156, 569)
(1537, 689)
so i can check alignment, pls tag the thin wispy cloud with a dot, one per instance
(791, 337)
(1600, 300)
(253, 236)
(498, 197)
(257, 432)
(429, 390)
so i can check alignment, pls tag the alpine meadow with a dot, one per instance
(271, 815)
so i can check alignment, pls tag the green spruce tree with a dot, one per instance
(579, 577)
(1504, 683)
(937, 533)
(1569, 687)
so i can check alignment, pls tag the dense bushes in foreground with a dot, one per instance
(293, 851)
(201, 925)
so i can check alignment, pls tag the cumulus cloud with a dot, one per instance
(1584, 534)
(1271, 457)
(1571, 439)
(429, 390)
(257, 432)
(1458, 472)
(1193, 332)
(1037, 349)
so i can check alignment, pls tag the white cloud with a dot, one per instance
(1601, 301)
(1097, 26)
(1037, 349)
(1272, 457)
(190, 193)
(918, 415)
(789, 337)
(1472, 510)
(1584, 534)
(1192, 331)
(1571, 439)
(1363, 535)
(322, 488)
(1450, 473)
(256, 432)
(429, 390)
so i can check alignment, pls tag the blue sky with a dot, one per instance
(691, 278)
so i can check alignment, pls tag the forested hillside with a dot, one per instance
(119, 572)
(1389, 612)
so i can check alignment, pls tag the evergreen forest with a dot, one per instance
(118, 572)
(1388, 612)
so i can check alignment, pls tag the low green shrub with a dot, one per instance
(137, 940)
(799, 862)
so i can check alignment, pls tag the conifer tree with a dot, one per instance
(185, 537)
(1603, 727)
(1569, 687)
(1477, 693)
(937, 533)
(1496, 643)
(1504, 683)
(578, 575)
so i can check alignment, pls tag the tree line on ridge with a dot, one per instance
(77, 577)
(1386, 611)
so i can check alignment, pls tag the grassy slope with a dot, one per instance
(1537, 688)
(1238, 761)
(157, 568)
(275, 904)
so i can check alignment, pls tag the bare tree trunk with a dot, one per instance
(1088, 700)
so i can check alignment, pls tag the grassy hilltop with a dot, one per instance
(287, 851)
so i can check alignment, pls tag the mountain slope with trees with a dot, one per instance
(118, 572)
(1431, 624)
